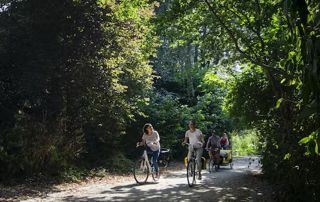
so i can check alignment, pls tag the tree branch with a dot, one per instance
(237, 46)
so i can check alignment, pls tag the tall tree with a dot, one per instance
(71, 75)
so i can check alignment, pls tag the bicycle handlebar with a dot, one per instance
(188, 145)
(215, 149)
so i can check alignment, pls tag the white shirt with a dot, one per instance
(152, 141)
(194, 138)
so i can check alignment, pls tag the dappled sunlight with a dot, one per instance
(227, 184)
(237, 184)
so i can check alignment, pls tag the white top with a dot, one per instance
(194, 138)
(152, 141)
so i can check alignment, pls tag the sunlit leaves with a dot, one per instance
(311, 141)
(213, 81)
(287, 156)
(279, 101)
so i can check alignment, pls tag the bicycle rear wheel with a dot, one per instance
(191, 172)
(141, 171)
(154, 176)
(163, 163)
(154, 173)
(216, 167)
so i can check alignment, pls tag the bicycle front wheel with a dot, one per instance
(210, 165)
(191, 172)
(141, 171)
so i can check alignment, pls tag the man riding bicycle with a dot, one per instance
(196, 140)
(213, 147)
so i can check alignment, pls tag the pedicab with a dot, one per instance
(226, 157)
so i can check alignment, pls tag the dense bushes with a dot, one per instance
(71, 74)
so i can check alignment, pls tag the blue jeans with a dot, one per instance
(225, 147)
(155, 156)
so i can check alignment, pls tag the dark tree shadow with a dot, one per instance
(239, 186)
(26, 190)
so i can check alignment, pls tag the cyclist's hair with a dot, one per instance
(144, 129)
(193, 122)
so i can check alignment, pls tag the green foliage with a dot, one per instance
(76, 82)
(277, 92)
(246, 142)
(170, 118)
(71, 76)
(311, 142)
(118, 164)
(73, 174)
(250, 97)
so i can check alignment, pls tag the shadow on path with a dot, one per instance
(226, 185)
(26, 190)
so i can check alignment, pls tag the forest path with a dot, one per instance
(238, 184)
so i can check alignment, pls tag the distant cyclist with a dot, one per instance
(213, 146)
(196, 140)
(151, 138)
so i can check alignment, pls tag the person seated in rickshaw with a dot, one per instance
(224, 142)
(213, 146)
(225, 155)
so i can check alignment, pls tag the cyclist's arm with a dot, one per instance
(219, 145)
(201, 138)
(208, 143)
(186, 139)
(142, 143)
(157, 137)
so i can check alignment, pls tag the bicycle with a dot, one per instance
(164, 157)
(143, 168)
(191, 167)
(213, 163)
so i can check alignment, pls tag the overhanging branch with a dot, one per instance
(235, 40)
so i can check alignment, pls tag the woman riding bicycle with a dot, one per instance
(196, 140)
(151, 138)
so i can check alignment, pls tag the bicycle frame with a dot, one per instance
(146, 163)
(214, 160)
(192, 164)
(193, 153)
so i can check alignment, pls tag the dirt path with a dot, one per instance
(239, 184)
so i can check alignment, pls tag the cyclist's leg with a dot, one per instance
(210, 154)
(149, 151)
(199, 156)
(211, 159)
(155, 156)
(217, 158)
(189, 153)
